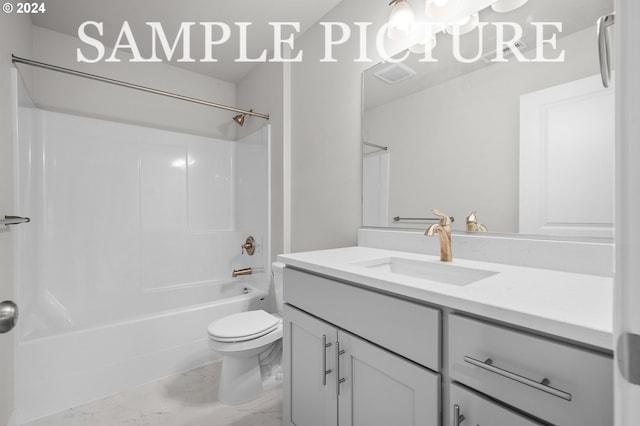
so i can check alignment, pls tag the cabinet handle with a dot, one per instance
(457, 417)
(338, 379)
(604, 47)
(541, 386)
(325, 345)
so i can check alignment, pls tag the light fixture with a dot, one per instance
(424, 37)
(442, 10)
(507, 5)
(240, 118)
(427, 43)
(402, 20)
(465, 25)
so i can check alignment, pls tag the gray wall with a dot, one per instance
(15, 37)
(64, 93)
(263, 91)
(326, 162)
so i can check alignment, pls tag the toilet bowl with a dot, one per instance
(251, 346)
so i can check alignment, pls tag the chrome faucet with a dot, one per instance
(443, 229)
(240, 272)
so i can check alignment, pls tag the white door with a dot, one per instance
(6, 254)
(6, 293)
(6, 282)
(379, 388)
(560, 197)
(627, 277)
(309, 366)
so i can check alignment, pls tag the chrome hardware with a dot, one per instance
(240, 272)
(604, 47)
(423, 219)
(457, 417)
(325, 345)
(373, 145)
(541, 386)
(14, 220)
(443, 229)
(627, 351)
(339, 381)
(8, 316)
(18, 60)
(249, 246)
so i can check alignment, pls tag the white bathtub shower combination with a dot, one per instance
(128, 257)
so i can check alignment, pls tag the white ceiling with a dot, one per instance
(65, 16)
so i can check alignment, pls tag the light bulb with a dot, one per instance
(465, 25)
(507, 5)
(402, 21)
(426, 44)
(441, 9)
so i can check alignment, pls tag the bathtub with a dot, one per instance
(59, 371)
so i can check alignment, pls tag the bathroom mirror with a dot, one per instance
(528, 145)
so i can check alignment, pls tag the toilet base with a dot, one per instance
(240, 380)
(245, 378)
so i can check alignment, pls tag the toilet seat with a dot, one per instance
(243, 326)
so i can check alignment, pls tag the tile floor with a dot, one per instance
(187, 399)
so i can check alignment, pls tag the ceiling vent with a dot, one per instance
(506, 51)
(395, 73)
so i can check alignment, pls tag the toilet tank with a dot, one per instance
(277, 269)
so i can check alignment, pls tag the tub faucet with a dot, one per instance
(443, 229)
(240, 272)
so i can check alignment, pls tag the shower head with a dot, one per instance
(240, 118)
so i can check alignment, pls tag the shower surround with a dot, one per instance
(134, 233)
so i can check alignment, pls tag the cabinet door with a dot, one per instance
(381, 389)
(309, 370)
(478, 410)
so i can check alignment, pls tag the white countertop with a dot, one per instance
(573, 306)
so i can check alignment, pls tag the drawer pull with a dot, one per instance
(457, 417)
(339, 381)
(541, 386)
(325, 345)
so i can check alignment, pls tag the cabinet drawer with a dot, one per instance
(556, 382)
(479, 410)
(406, 328)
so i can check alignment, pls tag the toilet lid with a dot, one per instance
(243, 326)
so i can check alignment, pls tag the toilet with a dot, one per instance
(251, 346)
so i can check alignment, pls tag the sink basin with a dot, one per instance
(431, 271)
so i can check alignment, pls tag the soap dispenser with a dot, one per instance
(473, 225)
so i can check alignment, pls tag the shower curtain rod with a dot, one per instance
(17, 59)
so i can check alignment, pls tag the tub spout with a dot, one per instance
(240, 272)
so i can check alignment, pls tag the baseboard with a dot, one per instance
(12, 419)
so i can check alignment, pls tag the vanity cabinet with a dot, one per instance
(557, 382)
(409, 329)
(353, 357)
(336, 378)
